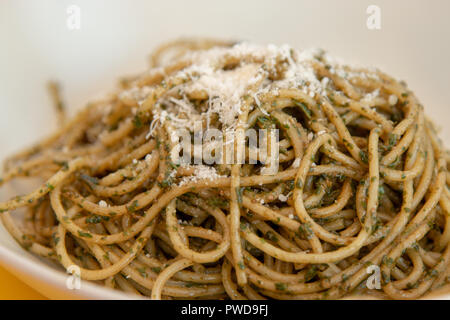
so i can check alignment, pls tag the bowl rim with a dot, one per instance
(20, 265)
(25, 268)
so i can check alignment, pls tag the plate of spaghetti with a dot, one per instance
(237, 171)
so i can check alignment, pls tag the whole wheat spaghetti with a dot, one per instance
(362, 182)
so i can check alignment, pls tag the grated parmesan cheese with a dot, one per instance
(226, 87)
(372, 95)
(103, 204)
(259, 70)
(393, 100)
(201, 172)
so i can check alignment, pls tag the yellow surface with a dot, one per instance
(11, 288)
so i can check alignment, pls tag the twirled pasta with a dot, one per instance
(362, 180)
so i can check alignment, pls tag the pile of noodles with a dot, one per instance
(361, 188)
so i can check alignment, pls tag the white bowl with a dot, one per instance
(46, 278)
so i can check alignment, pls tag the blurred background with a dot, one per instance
(116, 36)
